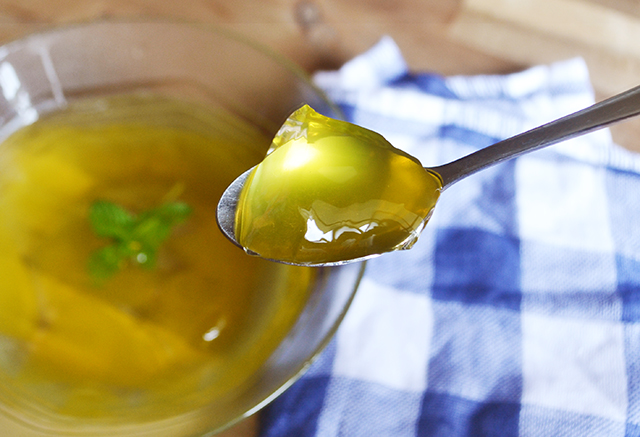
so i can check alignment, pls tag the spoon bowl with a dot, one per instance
(597, 116)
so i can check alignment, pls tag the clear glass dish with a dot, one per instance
(47, 72)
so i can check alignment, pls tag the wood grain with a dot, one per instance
(528, 32)
(442, 36)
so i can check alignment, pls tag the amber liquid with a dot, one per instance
(144, 343)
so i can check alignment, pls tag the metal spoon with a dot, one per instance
(597, 116)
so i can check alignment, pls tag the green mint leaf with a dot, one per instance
(105, 262)
(155, 226)
(134, 238)
(110, 220)
(151, 231)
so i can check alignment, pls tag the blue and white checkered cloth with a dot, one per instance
(517, 313)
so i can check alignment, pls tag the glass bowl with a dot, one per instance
(237, 81)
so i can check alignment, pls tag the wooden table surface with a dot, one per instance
(442, 36)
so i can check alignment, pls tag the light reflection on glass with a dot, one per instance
(214, 332)
(14, 93)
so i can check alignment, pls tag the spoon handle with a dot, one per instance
(599, 115)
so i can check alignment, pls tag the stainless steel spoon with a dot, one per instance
(597, 116)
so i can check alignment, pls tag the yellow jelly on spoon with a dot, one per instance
(330, 192)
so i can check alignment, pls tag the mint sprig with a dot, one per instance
(134, 238)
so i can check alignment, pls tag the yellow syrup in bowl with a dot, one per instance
(145, 340)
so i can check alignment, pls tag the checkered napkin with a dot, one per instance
(517, 312)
